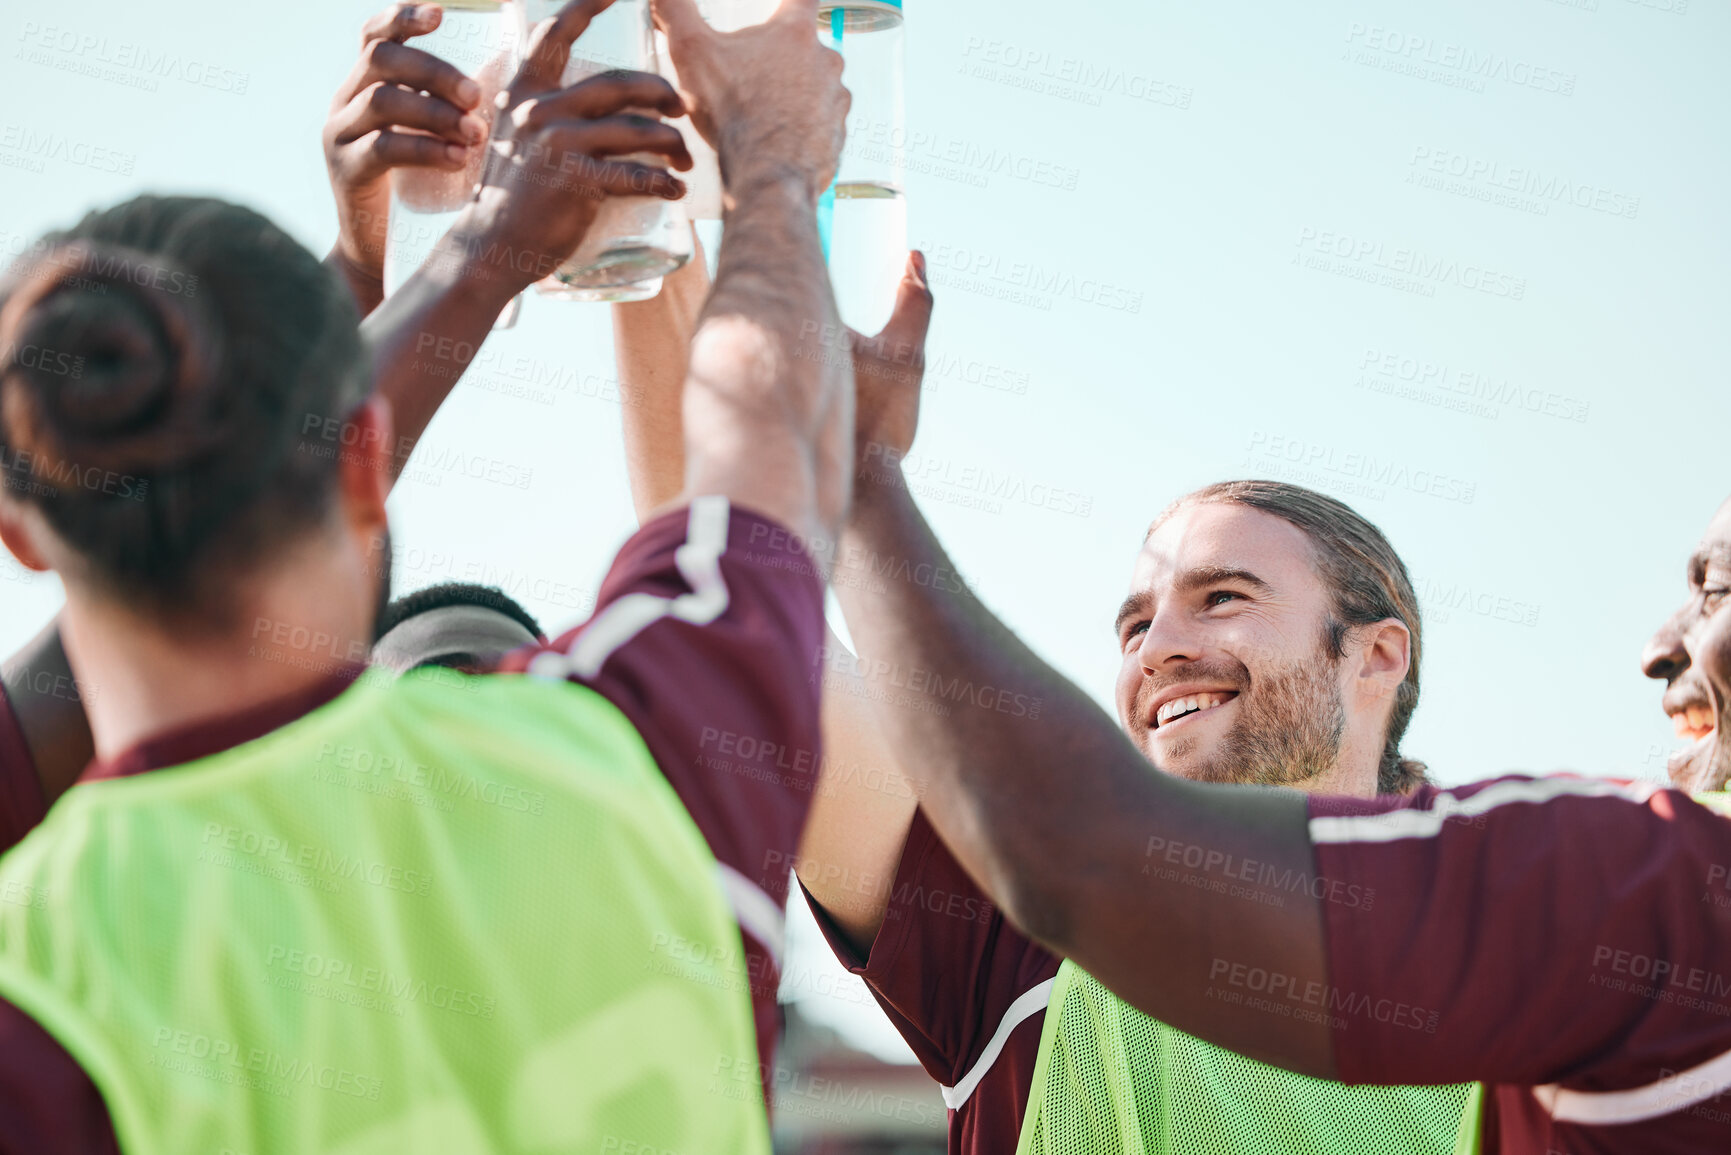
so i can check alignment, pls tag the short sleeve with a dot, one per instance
(964, 988)
(1568, 934)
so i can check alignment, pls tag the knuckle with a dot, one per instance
(379, 97)
(531, 115)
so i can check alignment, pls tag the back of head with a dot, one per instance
(167, 368)
(456, 625)
(1367, 582)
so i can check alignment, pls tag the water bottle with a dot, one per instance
(863, 217)
(634, 240)
(703, 182)
(478, 38)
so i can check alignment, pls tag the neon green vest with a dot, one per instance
(446, 915)
(1111, 1080)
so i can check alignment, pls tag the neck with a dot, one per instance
(1347, 777)
(311, 617)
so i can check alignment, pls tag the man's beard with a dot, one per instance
(1288, 731)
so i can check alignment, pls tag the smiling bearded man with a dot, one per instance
(1270, 637)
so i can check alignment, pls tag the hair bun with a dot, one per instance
(110, 363)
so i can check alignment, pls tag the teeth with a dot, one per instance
(1694, 721)
(1700, 718)
(1177, 706)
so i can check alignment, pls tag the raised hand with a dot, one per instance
(548, 167)
(887, 370)
(399, 107)
(767, 97)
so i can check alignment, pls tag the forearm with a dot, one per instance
(365, 285)
(1054, 812)
(426, 335)
(764, 411)
(651, 342)
(861, 810)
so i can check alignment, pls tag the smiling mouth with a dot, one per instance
(1180, 708)
(1694, 721)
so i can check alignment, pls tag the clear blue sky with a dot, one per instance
(1460, 263)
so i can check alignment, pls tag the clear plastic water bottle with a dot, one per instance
(478, 38)
(703, 182)
(864, 216)
(635, 240)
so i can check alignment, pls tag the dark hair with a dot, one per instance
(1366, 580)
(453, 594)
(170, 372)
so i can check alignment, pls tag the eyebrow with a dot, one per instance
(1129, 608)
(1207, 575)
(1188, 581)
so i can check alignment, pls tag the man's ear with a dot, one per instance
(15, 532)
(1385, 657)
(367, 465)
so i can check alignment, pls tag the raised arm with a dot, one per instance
(1054, 811)
(393, 88)
(652, 343)
(767, 421)
(550, 166)
(864, 802)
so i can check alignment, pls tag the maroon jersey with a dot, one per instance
(22, 805)
(694, 633)
(967, 991)
(1570, 941)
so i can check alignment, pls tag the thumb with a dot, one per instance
(681, 20)
(798, 11)
(911, 318)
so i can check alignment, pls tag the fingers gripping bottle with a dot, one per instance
(635, 240)
(477, 37)
(863, 217)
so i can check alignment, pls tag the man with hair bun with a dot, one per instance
(291, 908)
(400, 107)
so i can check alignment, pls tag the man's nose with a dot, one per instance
(1664, 656)
(1167, 641)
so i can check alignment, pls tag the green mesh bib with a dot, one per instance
(1111, 1080)
(446, 915)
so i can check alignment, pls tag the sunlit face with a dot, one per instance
(1225, 671)
(1689, 654)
